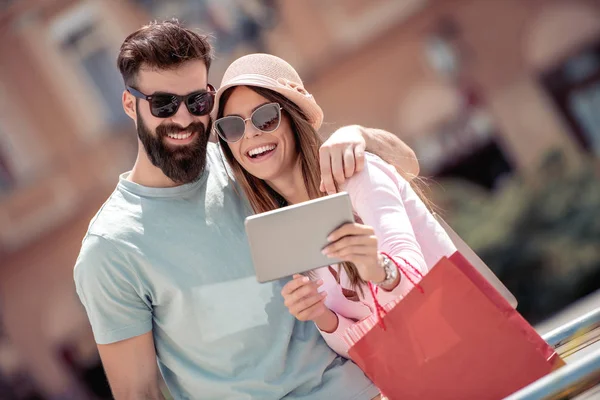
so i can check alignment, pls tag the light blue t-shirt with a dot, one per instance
(176, 261)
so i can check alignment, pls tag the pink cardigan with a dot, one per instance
(404, 228)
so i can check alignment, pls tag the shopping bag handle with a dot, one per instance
(379, 310)
(402, 269)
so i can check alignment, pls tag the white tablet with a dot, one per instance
(289, 240)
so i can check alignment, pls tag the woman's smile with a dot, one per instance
(260, 153)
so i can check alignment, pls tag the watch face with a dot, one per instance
(394, 271)
(391, 272)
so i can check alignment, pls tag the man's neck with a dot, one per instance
(146, 174)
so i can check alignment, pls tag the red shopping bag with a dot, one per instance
(454, 338)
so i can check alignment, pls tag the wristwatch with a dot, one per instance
(391, 271)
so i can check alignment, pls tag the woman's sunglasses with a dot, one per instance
(265, 118)
(165, 105)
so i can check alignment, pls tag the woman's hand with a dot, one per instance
(303, 300)
(357, 243)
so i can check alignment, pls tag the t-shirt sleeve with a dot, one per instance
(111, 292)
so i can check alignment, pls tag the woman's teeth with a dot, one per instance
(260, 150)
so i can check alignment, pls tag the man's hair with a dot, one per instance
(161, 45)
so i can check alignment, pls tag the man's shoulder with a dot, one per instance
(106, 253)
(213, 155)
(216, 162)
(117, 219)
(97, 247)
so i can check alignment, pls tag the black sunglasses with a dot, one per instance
(265, 118)
(165, 105)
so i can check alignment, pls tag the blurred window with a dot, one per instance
(88, 48)
(231, 22)
(6, 178)
(585, 105)
(21, 156)
(81, 35)
(465, 148)
(574, 85)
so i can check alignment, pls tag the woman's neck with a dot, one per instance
(291, 185)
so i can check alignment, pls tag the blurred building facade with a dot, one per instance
(454, 78)
(480, 88)
(62, 143)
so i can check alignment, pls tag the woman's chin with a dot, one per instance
(265, 176)
(264, 172)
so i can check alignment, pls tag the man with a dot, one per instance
(164, 270)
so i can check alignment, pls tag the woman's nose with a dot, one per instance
(251, 130)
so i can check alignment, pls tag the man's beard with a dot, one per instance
(182, 164)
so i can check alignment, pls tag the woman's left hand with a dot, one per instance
(357, 243)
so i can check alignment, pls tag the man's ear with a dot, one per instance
(129, 105)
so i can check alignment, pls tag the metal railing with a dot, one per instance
(575, 335)
(579, 375)
(565, 383)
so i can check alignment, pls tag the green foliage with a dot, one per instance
(540, 236)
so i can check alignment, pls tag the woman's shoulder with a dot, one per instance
(373, 160)
(376, 171)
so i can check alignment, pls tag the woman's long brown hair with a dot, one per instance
(260, 195)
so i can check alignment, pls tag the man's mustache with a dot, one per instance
(194, 127)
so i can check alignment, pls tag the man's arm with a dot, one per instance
(121, 318)
(343, 154)
(392, 150)
(131, 368)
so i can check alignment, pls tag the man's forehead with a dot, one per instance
(183, 79)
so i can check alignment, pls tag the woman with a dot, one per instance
(267, 126)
